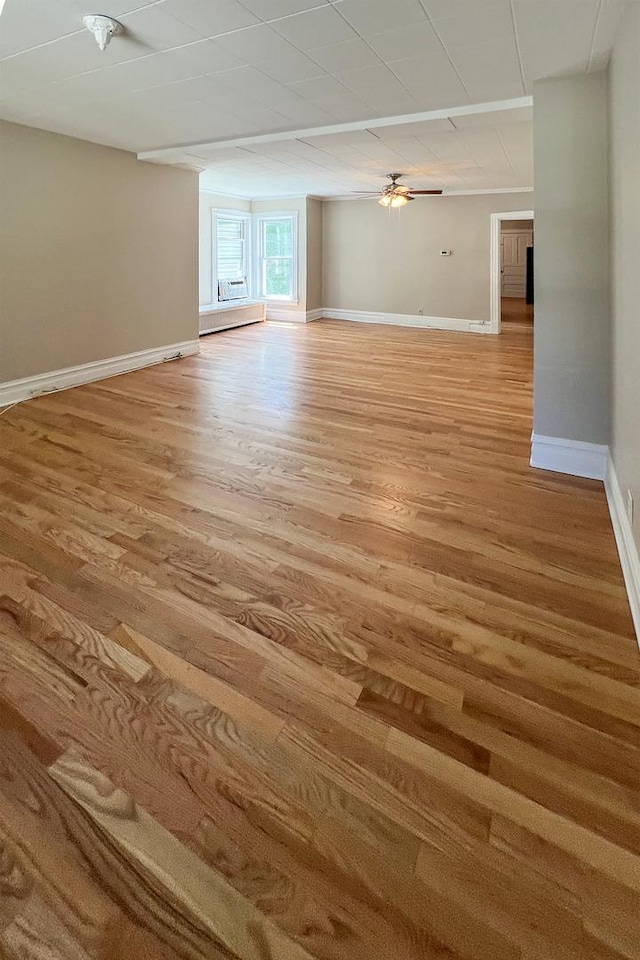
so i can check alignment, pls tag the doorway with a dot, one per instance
(512, 241)
(516, 271)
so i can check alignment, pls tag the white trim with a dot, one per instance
(494, 263)
(231, 326)
(224, 305)
(445, 193)
(407, 320)
(317, 314)
(171, 154)
(474, 193)
(575, 457)
(627, 548)
(28, 387)
(259, 219)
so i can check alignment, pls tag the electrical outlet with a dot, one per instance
(630, 505)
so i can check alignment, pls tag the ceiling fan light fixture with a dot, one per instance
(399, 200)
(385, 200)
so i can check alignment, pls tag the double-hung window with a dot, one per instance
(277, 256)
(231, 254)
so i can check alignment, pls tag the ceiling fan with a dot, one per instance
(397, 194)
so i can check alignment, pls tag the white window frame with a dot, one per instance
(246, 216)
(260, 219)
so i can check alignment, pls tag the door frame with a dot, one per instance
(495, 294)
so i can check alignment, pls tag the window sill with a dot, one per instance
(222, 306)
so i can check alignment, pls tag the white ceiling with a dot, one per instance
(462, 153)
(202, 71)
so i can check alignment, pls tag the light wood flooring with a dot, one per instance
(300, 659)
(516, 310)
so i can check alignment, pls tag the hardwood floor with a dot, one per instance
(300, 659)
(516, 310)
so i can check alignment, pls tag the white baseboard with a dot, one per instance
(627, 549)
(317, 314)
(574, 457)
(16, 390)
(409, 320)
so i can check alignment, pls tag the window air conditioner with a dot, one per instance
(233, 289)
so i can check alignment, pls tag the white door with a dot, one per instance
(513, 250)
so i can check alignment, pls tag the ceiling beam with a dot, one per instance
(174, 154)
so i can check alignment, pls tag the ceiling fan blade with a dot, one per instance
(425, 193)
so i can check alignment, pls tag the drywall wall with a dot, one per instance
(389, 261)
(625, 245)
(314, 254)
(207, 204)
(572, 324)
(98, 253)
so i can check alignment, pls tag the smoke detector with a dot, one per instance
(103, 28)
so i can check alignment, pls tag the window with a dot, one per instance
(230, 249)
(278, 268)
(253, 255)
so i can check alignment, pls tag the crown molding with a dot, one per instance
(445, 193)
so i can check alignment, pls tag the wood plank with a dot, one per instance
(301, 658)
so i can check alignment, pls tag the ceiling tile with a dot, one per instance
(75, 54)
(349, 138)
(403, 43)
(431, 78)
(295, 66)
(487, 22)
(158, 69)
(271, 9)
(112, 8)
(346, 106)
(28, 25)
(554, 38)
(209, 18)
(438, 9)
(347, 55)
(375, 16)
(153, 29)
(255, 43)
(492, 66)
(318, 88)
(316, 28)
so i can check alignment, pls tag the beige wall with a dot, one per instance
(207, 204)
(314, 254)
(625, 235)
(98, 253)
(572, 324)
(388, 261)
